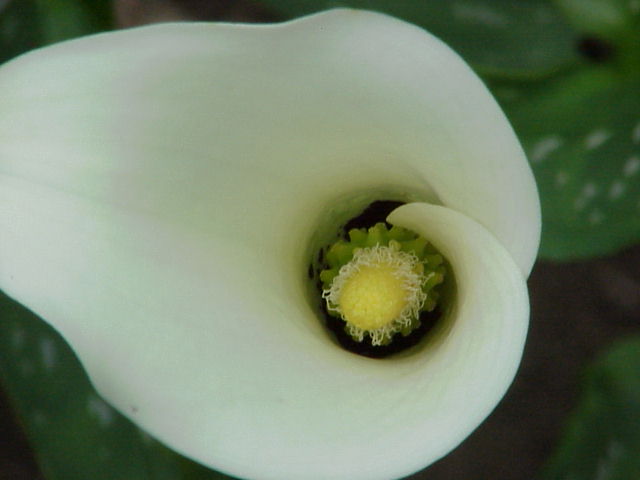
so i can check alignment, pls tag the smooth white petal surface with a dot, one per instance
(159, 192)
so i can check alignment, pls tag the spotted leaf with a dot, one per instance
(616, 21)
(582, 135)
(602, 437)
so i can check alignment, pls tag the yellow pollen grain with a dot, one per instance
(373, 297)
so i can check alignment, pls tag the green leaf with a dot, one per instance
(75, 435)
(615, 20)
(498, 37)
(18, 29)
(581, 132)
(602, 438)
(28, 24)
(63, 19)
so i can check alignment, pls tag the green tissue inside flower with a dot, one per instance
(380, 280)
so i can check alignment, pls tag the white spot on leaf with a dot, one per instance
(616, 190)
(543, 147)
(589, 190)
(596, 138)
(103, 412)
(48, 353)
(606, 464)
(596, 217)
(561, 179)
(635, 134)
(479, 14)
(17, 338)
(631, 166)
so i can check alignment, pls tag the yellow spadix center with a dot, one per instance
(378, 293)
(373, 297)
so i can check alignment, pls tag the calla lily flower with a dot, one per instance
(163, 190)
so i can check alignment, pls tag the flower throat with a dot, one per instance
(380, 286)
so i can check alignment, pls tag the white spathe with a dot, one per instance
(160, 188)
